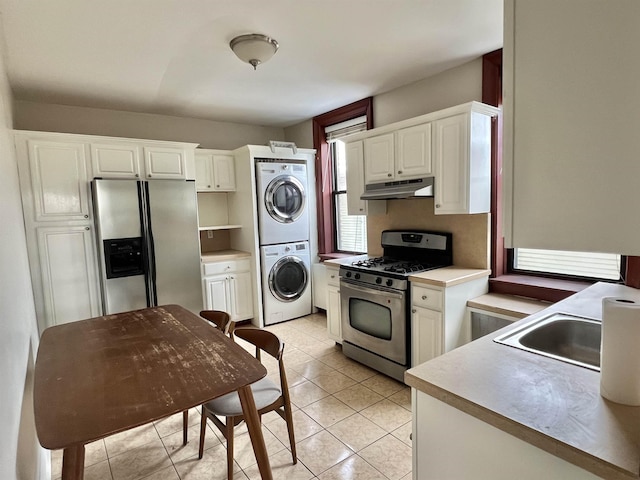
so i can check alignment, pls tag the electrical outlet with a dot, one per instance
(209, 234)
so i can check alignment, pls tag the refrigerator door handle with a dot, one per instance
(147, 238)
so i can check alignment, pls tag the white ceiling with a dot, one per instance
(172, 57)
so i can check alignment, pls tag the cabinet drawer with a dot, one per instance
(332, 277)
(216, 268)
(426, 297)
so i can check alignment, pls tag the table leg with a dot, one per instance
(73, 463)
(255, 431)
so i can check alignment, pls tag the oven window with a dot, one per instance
(370, 318)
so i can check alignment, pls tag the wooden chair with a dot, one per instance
(268, 397)
(222, 321)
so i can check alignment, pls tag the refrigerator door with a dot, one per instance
(173, 228)
(118, 225)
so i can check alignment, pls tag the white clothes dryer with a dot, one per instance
(286, 281)
(283, 215)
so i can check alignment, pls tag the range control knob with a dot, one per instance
(378, 280)
(348, 274)
(357, 276)
(389, 282)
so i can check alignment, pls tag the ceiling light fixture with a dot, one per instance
(254, 48)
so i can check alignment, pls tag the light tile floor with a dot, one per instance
(350, 423)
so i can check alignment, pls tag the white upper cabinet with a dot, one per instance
(59, 180)
(215, 171)
(453, 146)
(571, 123)
(462, 157)
(119, 160)
(355, 183)
(414, 152)
(165, 162)
(400, 155)
(379, 154)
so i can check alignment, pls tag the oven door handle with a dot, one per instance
(370, 289)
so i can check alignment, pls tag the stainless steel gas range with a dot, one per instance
(374, 296)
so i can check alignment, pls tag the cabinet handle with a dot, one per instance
(413, 310)
(437, 205)
(86, 216)
(149, 175)
(400, 171)
(87, 228)
(424, 297)
(362, 209)
(388, 174)
(137, 175)
(217, 186)
(208, 186)
(333, 276)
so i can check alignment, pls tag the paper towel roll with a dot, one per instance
(620, 351)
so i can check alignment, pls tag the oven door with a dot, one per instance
(374, 318)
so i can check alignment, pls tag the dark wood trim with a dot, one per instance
(492, 95)
(632, 276)
(541, 288)
(324, 180)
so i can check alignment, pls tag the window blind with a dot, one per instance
(348, 127)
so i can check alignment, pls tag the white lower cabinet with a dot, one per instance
(227, 287)
(449, 444)
(439, 320)
(334, 325)
(68, 273)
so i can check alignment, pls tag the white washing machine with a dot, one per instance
(286, 281)
(283, 213)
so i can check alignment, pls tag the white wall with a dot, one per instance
(116, 123)
(20, 455)
(452, 87)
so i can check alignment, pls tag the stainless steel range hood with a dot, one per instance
(419, 187)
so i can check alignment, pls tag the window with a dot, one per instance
(602, 266)
(351, 230)
(336, 229)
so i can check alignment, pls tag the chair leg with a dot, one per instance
(229, 436)
(292, 439)
(185, 425)
(203, 428)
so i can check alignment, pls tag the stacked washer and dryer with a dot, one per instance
(283, 221)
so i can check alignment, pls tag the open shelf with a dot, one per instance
(218, 227)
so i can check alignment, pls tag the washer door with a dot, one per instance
(288, 279)
(284, 199)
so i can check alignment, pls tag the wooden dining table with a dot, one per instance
(104, 375)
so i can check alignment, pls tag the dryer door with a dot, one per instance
(288, 279)
(285, 199)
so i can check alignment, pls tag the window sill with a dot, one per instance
(334, 255)
(540, 288)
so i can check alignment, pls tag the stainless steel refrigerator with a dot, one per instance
(148, 243)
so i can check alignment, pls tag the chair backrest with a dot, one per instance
(263, 340)
(220, 319)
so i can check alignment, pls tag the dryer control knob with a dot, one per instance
(389, 282)
(378, 280)
(348, 274)
(357, 276)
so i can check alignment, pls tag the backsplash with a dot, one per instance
(471, 233)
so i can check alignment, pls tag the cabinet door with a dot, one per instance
(165, 162)
(426, 335)
(451, 159)
(217, 293)
(68, 271)
(115, 161)
(204, 173)
(414, 152)
(334, 325)
(224, 173)
(59, 180)
(240, 296)
(355, 178)
(379, 162)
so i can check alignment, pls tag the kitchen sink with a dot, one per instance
(562, 336)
